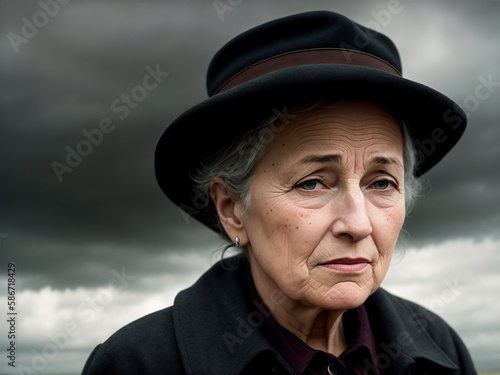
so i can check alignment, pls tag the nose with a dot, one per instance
(351, 216)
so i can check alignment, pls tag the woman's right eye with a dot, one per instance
(311, 184)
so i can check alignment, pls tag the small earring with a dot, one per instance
(232, 263)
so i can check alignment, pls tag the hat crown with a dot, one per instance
(310, 30)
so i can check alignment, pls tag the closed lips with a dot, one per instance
(346, 264)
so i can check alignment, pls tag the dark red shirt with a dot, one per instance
(304, 360)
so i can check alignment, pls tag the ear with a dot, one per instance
(229, 209)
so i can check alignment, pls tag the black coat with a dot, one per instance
(213, 328)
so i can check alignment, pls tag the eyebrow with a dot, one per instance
(384, 160)
(331, 158)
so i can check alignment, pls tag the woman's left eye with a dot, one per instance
(310, 184)
(383, 184)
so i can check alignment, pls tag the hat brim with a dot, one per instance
(436, 123)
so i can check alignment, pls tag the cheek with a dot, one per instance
(282, 237)
(267, 219)
(279, 230)
(386, 230)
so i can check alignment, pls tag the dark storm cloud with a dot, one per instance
(108, 211)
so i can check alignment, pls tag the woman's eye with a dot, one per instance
(310, 184)
(383, 184)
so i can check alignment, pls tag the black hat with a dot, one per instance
(294, 60)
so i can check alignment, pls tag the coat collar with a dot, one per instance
(217, 326)
(401, 329)
(215, 323)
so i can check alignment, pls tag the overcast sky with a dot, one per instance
(70, 233)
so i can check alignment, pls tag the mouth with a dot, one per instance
(346, 264)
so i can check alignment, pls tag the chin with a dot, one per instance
(348, 295)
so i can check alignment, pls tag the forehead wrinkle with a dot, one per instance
(345, 141)
(363, 130)
(343, 154)
(341, 132)
(340, 144)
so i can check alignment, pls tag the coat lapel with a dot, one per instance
(403, 332)
(215, 324)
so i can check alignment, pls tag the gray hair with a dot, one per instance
(234, 164)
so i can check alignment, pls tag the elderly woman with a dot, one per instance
(306, 156)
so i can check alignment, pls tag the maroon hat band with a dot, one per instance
(307, 57)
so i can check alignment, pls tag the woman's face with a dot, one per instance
(327, 205)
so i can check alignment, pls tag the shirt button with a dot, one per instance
(332, 369)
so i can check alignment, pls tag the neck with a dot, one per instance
(320, 329)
